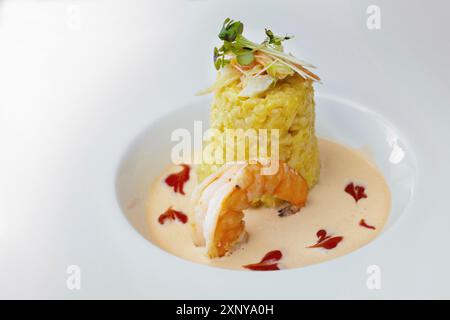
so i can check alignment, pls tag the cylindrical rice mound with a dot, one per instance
(288, 106)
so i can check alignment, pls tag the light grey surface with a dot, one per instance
(72, 99)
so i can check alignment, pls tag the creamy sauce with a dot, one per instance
(328, 208)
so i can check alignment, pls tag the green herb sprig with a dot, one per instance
(275, 40)
(231, 34)
(235, 44)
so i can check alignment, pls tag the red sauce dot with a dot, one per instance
(268, 263)
(363, 223)
(171, 214)
(322, 235)
(356, 191)
(177, 180)
(325, 241)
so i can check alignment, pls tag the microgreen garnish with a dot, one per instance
(275, 40)
(245, 58)
(237, 51)
(230, 30)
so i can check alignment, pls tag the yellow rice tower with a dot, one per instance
(287, 106)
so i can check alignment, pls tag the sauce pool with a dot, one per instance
(351, 192)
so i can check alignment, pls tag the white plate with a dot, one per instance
(76, 96)
(340, 120)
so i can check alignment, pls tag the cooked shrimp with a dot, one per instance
(219, 202)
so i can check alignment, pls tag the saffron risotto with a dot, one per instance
(288, 105)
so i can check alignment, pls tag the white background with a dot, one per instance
(73, 96)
